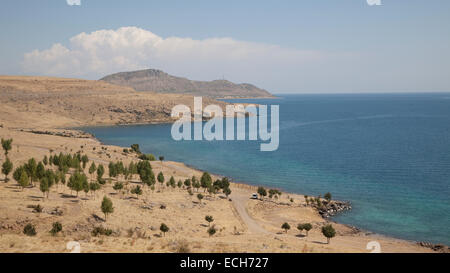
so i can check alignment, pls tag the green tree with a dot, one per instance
(137, 190)
(307, 227)
(107, 207)
(40, 170)
(187, 182)
(161, 158)
(227, 191)
(200, 197)
(45, 160)
(327, 196)
(118, 186)
(94, 186)
(6, 144)
(31, 168)
(286, 227)
(179, 184)
(164, 228)
(262, 192)
(77, 182)
(84, 160)
(172, 182)
(209, 219)
(100, 173)
(135, 148)
(329, 232)
(206, 181)
(44, 186)
(92, 169)
(161, 178)
(7, 167)
(23, 180)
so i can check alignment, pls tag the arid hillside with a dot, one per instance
(44, 102)
(159, 81)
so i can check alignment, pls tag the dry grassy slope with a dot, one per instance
(43, 102)
(183, 214)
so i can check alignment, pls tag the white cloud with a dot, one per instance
(73, 2)
(103, 52)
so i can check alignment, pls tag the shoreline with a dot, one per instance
(253, 187)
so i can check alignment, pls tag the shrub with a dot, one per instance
(101, 231)
(29, 230)
(211, 231)
(164, 228)
(262, 192)
(57, 227)
(209, 219)
(327, 196)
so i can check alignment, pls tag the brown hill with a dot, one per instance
(44, 102)
(159, 81)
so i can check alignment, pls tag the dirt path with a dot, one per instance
(240, 200)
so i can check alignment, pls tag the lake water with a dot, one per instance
(389, 154)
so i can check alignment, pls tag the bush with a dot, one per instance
(211, 231)
(29, 230)
(148, 157)
(164, 228)
(327, 196)
(57, 227)
(101, 231)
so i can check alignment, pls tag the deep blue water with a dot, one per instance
(389, 154)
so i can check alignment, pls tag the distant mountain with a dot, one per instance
(159, 81)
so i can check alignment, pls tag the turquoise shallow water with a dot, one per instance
(388, 154)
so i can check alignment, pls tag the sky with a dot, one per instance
(309, 46)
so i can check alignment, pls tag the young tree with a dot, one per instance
(161, 158)
(200, 197)
(187, 182)
(94, 186)
(92, 169)
(172, 182)
(44, 186)
(161, 178)
(307, 227)
(40, 171)
(227, 191)
(209, 219)
(84, 160)
(262, 192)
(164, 228)
(135, 148)
(205, 181)
(118, 186)
(329, 232)
(327, 196)
(23, 180)
(107, 206)
(31, 168)
(286, 227)
(45, 160)
(211, 231)
(7, 167)
(179, 184)
(6, 144)
(100, 173)
(77, 182)
(137, 190)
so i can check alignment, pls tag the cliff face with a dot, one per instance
(159, 81)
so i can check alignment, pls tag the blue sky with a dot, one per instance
(284, 46)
